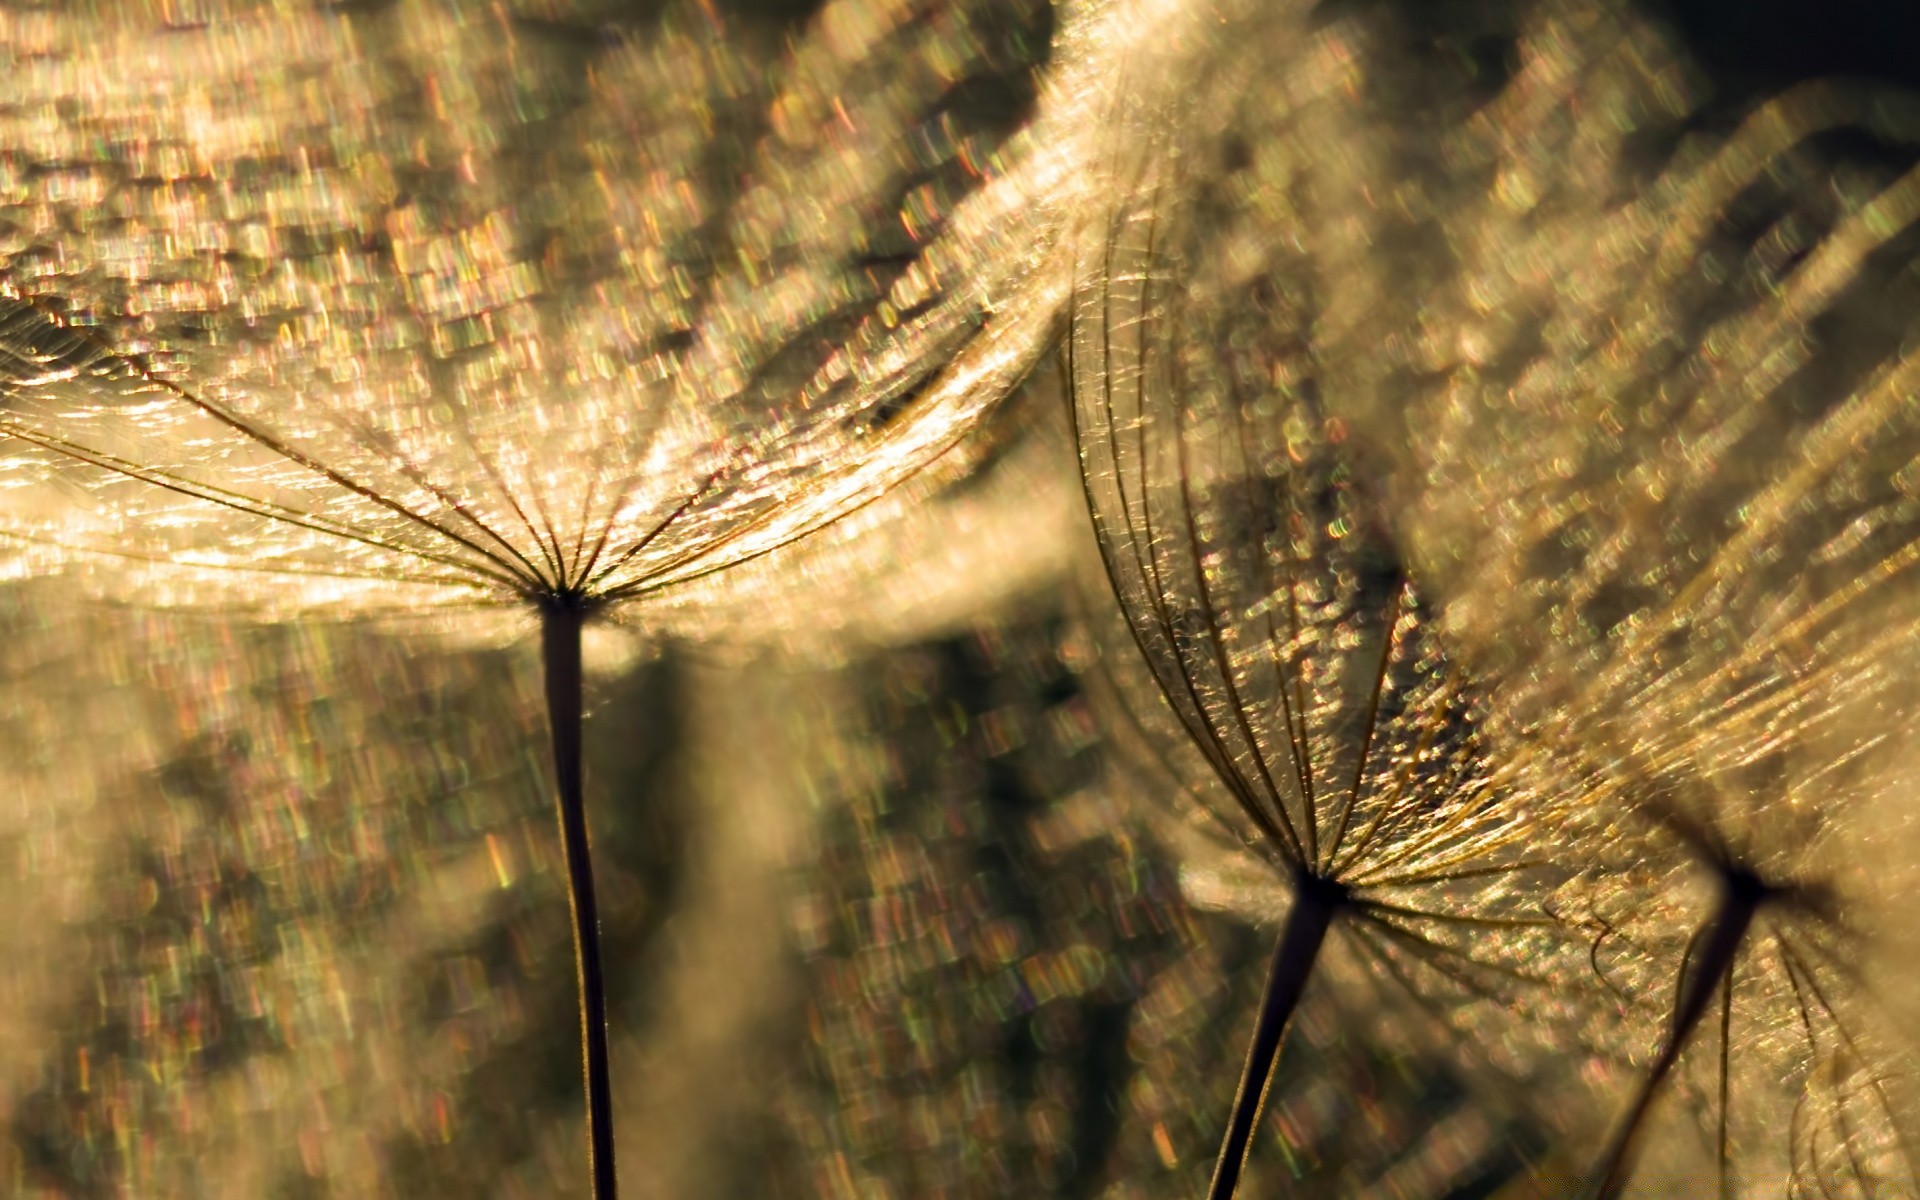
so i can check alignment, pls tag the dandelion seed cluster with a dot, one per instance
(1626, 388)
(1483, 697)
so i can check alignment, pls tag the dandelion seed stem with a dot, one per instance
(1316, 903)
(560, 622)
(1719, 943)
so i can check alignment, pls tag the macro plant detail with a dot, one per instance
(1719, 608)
(1641, 431)
(1772, 1012)
(1502, 452)
(414, 329)
(572, 405)
(1742, 885)
(1638, 428)
(1291, 649)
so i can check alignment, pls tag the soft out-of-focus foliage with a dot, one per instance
(1632, 377)
(443, 303)
(246, 899)
(975, 940)
(61, 680)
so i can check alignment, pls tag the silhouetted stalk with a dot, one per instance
(560, 620)
(1316, 903)
(1719, 942)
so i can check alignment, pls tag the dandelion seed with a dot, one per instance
(1636, 387)
(1296, 656)
(382, 320)
(1744, 900)
(1646, 429)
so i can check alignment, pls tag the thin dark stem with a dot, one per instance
(560, 622)
(1316, 904)
(1719, 943)
(1726, 1062)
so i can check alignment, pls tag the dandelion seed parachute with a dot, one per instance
(1646, 429)
(624, 350)
(429, 308)
(1303, 692)
(1715, 595)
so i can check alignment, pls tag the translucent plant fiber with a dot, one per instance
(436, 304)
(1630, 373)
(1305, 696)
